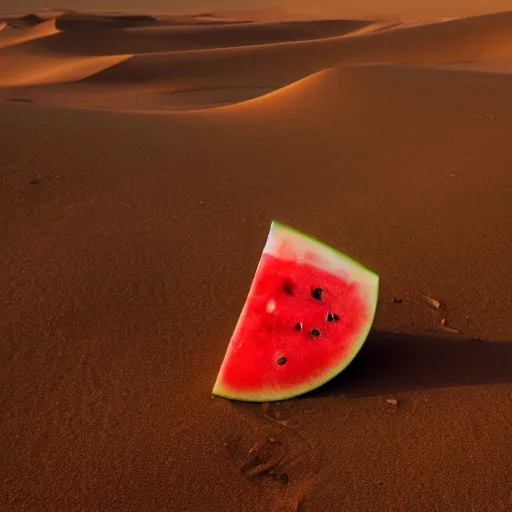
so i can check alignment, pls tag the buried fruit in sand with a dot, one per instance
(308, 312)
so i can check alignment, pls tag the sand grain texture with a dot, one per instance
(140, 168)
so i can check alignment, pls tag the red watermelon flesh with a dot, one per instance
(308, 312)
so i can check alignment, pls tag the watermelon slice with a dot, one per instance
(308, 312)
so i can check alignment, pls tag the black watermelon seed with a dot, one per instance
(335, 317)
(317, 293)
(288, 287)
(315, 332)
(298, 326)
(281, 361)
(330, 317)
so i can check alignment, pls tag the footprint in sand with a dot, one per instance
(276, 462)
(264, 458)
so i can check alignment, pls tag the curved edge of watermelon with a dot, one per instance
(369, 276)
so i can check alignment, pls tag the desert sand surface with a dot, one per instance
(142, 159)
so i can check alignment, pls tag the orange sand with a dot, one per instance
(141, 162)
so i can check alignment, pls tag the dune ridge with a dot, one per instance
(29, 20)
(55, 69)
(335, 88)
(162, 37)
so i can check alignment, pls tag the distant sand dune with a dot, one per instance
(23, 65)
(70, 20)
(14, 36)
(483, 38)
(162, 38)
(29, 20)
(169, 63)
(80, 21)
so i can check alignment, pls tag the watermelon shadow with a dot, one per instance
(390, 363)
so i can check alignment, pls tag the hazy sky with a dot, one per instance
(348, 8)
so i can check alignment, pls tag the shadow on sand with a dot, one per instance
(390, 363)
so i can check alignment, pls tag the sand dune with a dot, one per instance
(22, 65)
(13, 36)
(71, 20)
(162, 38)
(145, 68)
(137, 184)
(482, 38)
(334, 90)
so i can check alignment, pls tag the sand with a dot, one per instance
(140, 168)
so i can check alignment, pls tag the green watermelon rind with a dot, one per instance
(272, 395)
